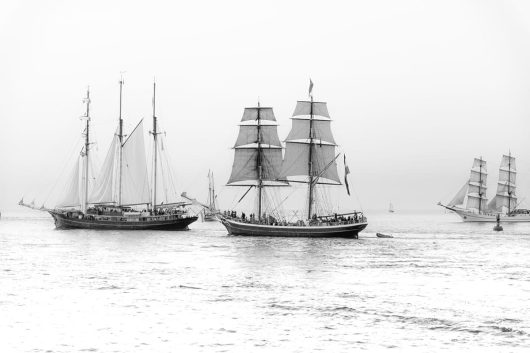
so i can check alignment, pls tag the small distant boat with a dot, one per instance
(381, 235)
(391, 208)
(210, 213)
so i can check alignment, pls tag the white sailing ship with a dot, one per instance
(471, 202)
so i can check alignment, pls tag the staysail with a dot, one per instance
(103, 191)
(135, 182)
(477, 186)
(460, 196)
(72, 198)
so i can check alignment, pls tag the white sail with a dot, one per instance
(477, 187)
(135, 182)
(506, 198)
(460, 196)
(71, 197)
(103, 191)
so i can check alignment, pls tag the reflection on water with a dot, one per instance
(438, 285)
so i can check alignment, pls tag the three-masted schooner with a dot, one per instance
(471, 201)
(309, 158)
(122, 197)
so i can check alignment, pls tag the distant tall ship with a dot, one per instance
(471, 202)
(210, 212)
(391, 208)
(309, 159)
(121, 197)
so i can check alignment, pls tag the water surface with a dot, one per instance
(439, 285)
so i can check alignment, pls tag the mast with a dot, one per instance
(258, 164)
(479, 187)
(155, 145)
(120, 152)
(211, 191)
(509, 179)
(87, 144)
(310, 163)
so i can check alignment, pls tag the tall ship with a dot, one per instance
(310, 159)
(210, 212)
(121, 197)
(391, 208)
(471, 201)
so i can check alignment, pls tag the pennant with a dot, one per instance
(346, 172)
(310, 88)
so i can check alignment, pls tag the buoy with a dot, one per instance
(498, 226)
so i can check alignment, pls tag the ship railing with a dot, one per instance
(330, 220)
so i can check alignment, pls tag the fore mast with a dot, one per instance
(120, 148)
(84, 204)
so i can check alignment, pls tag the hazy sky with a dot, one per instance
(416, 89)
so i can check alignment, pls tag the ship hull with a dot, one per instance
(170, 223)
(210, 217)
(335, 231)
(468, 216)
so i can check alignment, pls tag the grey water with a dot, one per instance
(438, 285)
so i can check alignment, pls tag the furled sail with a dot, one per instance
(103, 191)
(321, 141)
(251, 149)
(135, 182)
(506, 198)
(477, 186)
(71, 197)
(460, 196)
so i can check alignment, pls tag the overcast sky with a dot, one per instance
(416, 89)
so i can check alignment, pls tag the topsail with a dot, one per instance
(320, 144)
(258, 150)
(506, 198)
(477, 186)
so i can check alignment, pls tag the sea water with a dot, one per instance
(438, 285)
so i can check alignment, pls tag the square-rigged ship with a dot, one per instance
(121, 197)
(471, 201)
(309, 158)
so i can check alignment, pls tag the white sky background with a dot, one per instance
(416, 89)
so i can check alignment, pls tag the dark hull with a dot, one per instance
(333, 231)
(172, 223)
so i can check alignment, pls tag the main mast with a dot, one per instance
(509, 180)
(310, 163)
(258, 164)
(480, 186)
(120, 153)
(155, 145)
(87, 145)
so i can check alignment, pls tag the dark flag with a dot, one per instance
(346, 172)
(310, 88)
